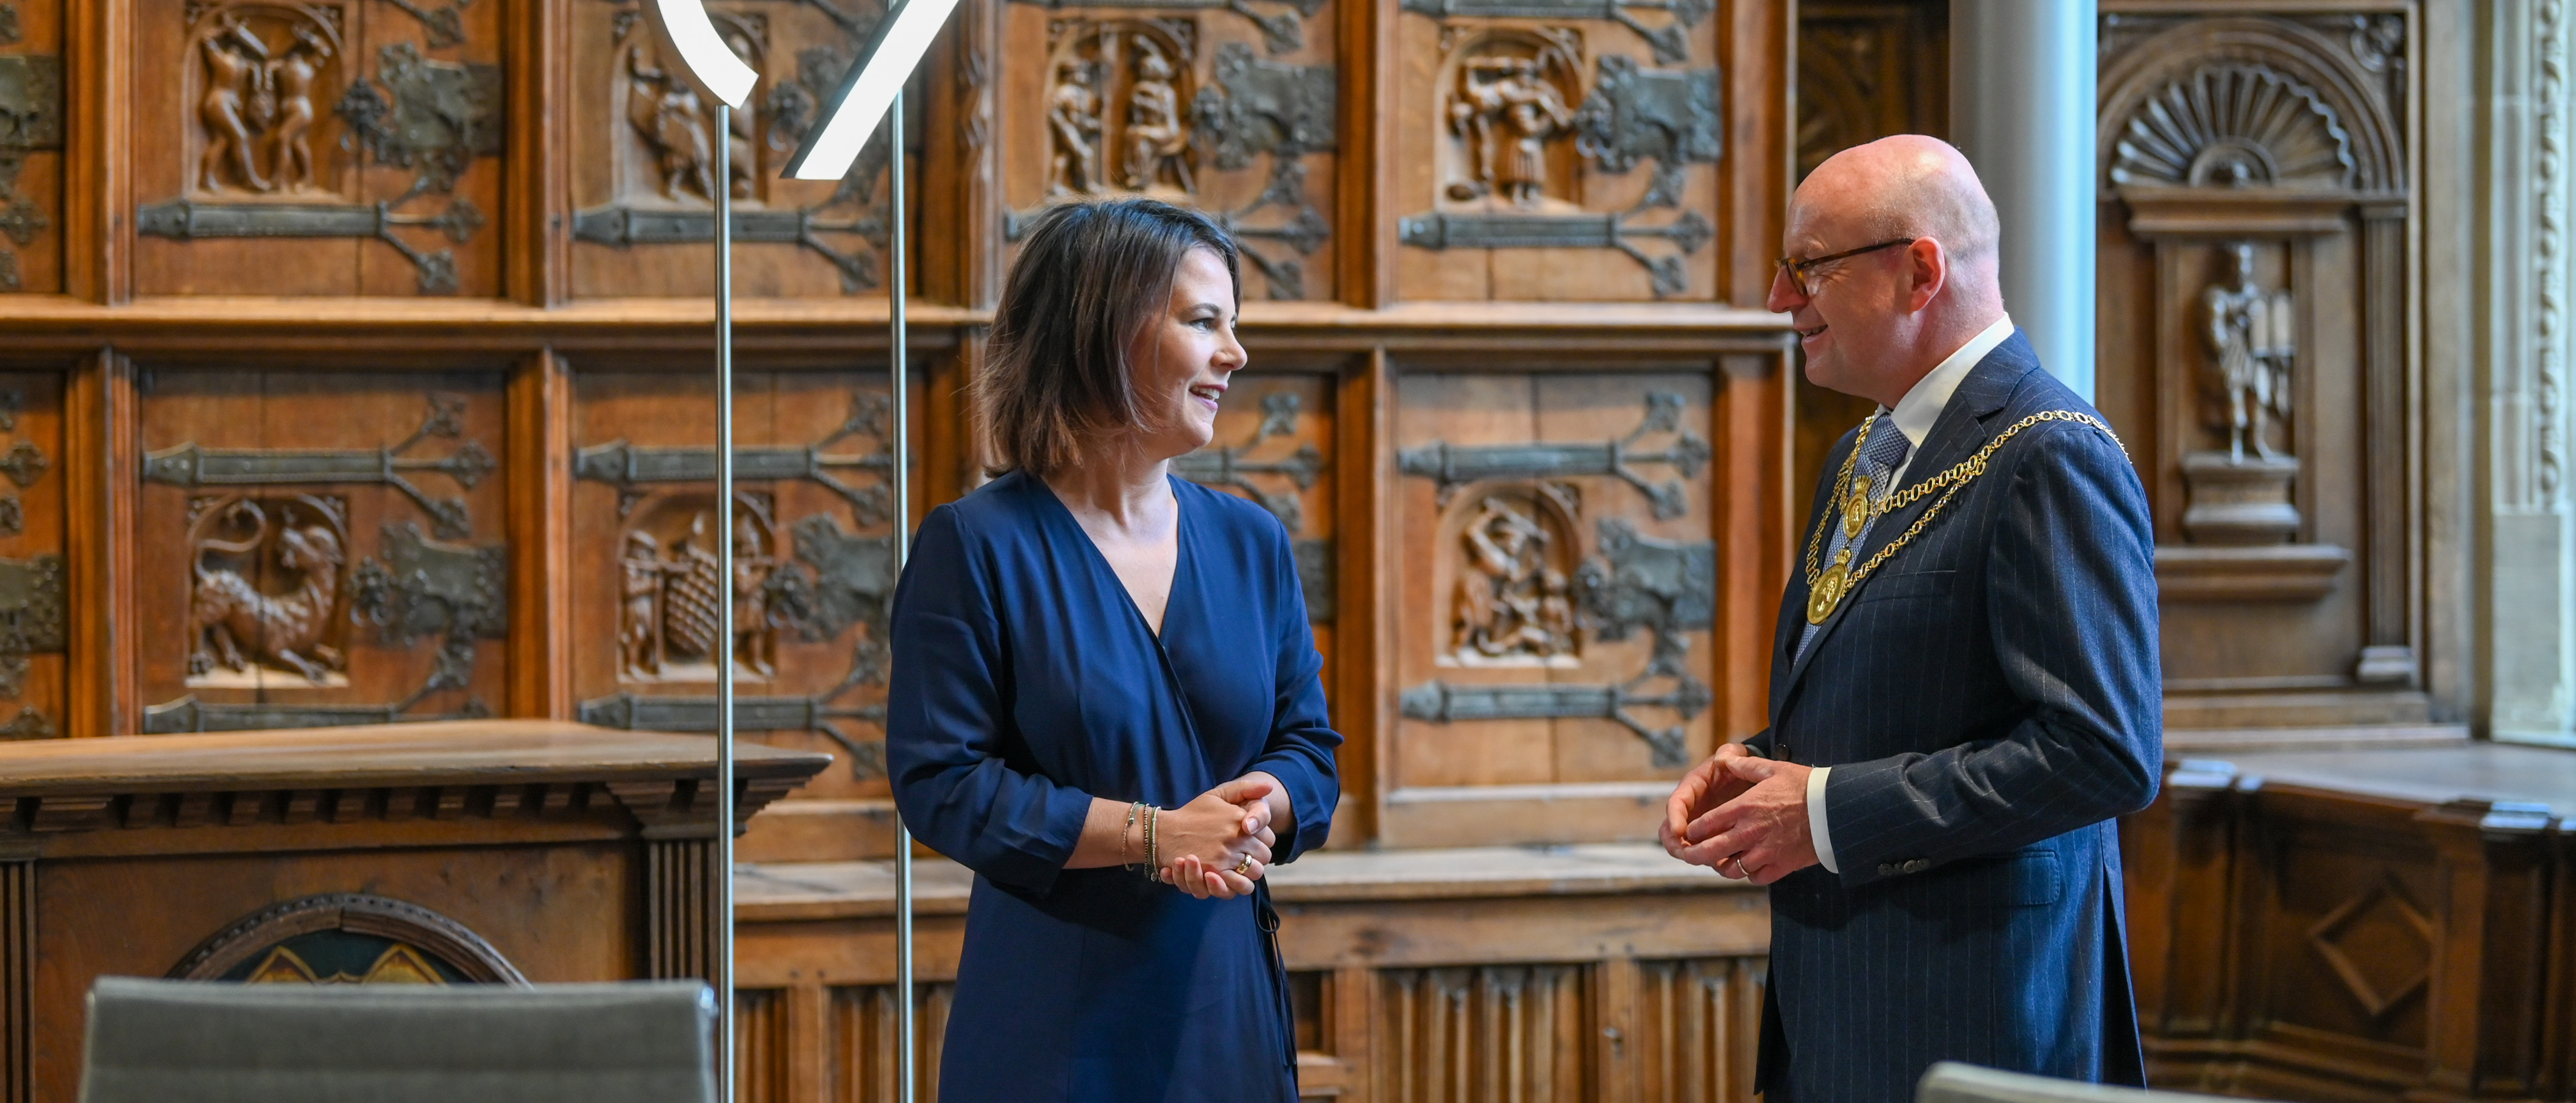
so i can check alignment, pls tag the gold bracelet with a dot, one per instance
(1123, 832)
(1153, 869)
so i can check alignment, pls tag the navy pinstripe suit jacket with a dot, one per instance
(1989, 698)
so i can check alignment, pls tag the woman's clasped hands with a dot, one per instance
(1218, 844)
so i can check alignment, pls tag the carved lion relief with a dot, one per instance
(266, 601)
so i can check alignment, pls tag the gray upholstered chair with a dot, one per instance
(1951, 1082)
(156, 1040)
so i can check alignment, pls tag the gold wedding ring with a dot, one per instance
(1244, 867)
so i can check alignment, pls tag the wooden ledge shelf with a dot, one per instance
(415, 328)
(460, 779)
(793, 891)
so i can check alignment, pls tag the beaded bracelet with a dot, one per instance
(1153, 869)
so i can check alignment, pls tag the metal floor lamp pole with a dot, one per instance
(908, 1053)
(723, 873)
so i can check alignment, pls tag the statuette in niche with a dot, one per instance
(674, 126)
(1073, 124)
(2252, 334)
(1513, 602)
(266, 593)
(1157, 142)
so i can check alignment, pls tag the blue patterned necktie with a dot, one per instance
(1879, 459)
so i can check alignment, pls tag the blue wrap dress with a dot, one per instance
(1025, 683)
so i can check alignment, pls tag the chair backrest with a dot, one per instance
(214, 1042)
(1952, 1082)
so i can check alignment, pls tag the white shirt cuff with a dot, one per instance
(1817, 829)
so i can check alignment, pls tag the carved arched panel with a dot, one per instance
(2185, 100)
(347, 938)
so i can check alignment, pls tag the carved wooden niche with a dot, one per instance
(315, 550)
(645, 146)
(1573, 146)
(340, 148)
(1223, 105)
(347, 938)
(813, 542)
(2254, 317)
(1554, 596)
(31, 145)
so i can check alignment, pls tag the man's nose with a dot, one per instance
(1785, 296)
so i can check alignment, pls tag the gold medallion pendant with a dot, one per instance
(1856, 509)
(1827, 591)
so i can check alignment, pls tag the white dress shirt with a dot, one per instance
(1914, 415)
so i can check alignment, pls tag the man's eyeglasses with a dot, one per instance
(1799, 271)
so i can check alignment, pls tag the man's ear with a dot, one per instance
(1927, 271)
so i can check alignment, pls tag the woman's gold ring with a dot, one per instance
(1244, 867)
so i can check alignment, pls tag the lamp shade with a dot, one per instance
(868, 90)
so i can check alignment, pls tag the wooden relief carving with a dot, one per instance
(1207, 103)
(647, 169)
(805, 607)
(1513, 586)
(2259, 169)
(31, 133)
(347, 938)
(1868, 69)
(296, 611)
(1540, 114)
(323, 121)
(1268, 470)
(1505, 1032)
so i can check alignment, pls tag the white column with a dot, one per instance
(2524, 326)
(2021, 108)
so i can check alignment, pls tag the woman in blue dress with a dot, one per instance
(1105, 695)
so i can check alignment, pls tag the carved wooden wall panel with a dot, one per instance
(318, 548)
(1553, 595)
(814, 560)
(31, 146)
(643, 158)
(1508, 1034)
(1559, 150)
(1232, 108)
(1274, 446)
(34, 613)
(2257, 353)
(1699, 1029)
(342, 148)
(1866, 69)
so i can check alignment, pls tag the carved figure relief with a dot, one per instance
(811, 582)
(1514, 601)
(1120, 86)
(260, 145)
(676, 607)
(677, 131)
(1508, 106)
(265, 597)
(260, 66)
(2252, 337)
(661, 148)
(1520, 133)
(2234, 125)
(1073, 122)
(1521, 592)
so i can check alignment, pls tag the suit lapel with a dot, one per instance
(1956, 434)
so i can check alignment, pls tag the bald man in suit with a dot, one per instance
(1965, 688)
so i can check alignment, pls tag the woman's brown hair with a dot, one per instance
(1088, 281)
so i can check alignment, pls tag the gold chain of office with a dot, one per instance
(1827, 588)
